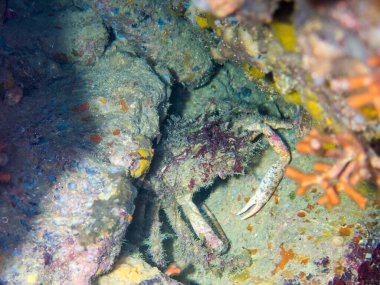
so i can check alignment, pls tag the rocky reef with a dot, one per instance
(132, 132)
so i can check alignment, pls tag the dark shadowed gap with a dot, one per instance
(284, 11)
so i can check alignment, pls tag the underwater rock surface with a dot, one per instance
(131, 269)
(84, 96)
(74, 142)
(153, 30)
(65, 36)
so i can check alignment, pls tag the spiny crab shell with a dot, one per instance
(193, 154)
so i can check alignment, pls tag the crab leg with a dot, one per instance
(200, 225)
(273, 177)
(192, 248)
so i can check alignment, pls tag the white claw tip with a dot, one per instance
(240, 212)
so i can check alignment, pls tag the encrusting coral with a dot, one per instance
(352, 164)
(369, 83)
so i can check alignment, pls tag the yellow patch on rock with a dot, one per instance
(145, 156)
(285, 34)
(32, 278)
(129, 270)
(253, 72)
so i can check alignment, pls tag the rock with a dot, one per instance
(13, 96)
(70, 229)
(3, 159)
(219, 8)
(70, 36)
(32, 68)
(64, 239)
(25, 8)
(131, 269)
(3, 5)
(154, 31)
(335, 41)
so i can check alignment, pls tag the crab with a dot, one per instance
(192, 155)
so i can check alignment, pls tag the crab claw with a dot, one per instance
(273, 177)
(266, 189)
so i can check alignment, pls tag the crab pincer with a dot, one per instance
(274, 175)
